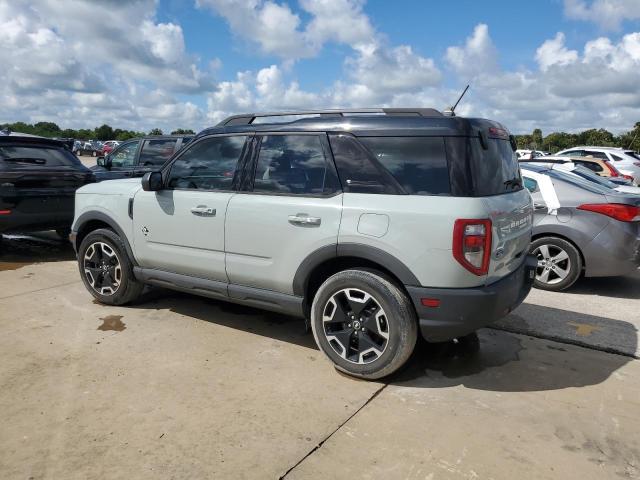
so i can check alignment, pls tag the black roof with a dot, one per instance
(359, 122)
(15, 137)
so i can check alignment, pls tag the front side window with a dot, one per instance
(419, 164)
(157, 151)
(293, 164)
(207, 165)
(530, 184)
(125, 155)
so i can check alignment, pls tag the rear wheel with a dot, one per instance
(559, 263)
(106, 270)
(364, 324)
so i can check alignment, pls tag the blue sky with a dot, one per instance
(552, 64)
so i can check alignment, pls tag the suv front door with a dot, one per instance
(122, 161)
(180, 228)
(290, 208)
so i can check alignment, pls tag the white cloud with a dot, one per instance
(608, 14)
(479, 54)
(554, 52)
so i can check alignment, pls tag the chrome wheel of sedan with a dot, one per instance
(102, 268)
(355, 325)
(554, 264)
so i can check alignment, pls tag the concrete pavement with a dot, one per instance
(183, 387)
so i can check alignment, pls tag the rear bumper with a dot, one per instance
(465, 310)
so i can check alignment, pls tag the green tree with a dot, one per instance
(155, 131)
(537, 141)
(182, 131)
(103, 132)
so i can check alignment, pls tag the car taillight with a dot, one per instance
(472, 244)
(619, 211)
(613, 171)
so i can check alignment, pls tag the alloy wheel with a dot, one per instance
(554, 264)
(355, 325)
(102, 268)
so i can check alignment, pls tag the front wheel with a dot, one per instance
(559, 263)
(106, 270)
(364, 324)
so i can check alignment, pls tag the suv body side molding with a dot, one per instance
(254, 297)
(356, 250)
(103, 217)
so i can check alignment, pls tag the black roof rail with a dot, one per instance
(249, 118)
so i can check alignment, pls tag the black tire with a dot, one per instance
(63, 233)
(128, 288)
(395, 317)
(556, 271)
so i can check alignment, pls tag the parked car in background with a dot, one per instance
(38, 180)
(589, 175)
(87, 147)
(601, 167)
(376, 225)
(626, 161)
(580, 227)
(135, 157)
(108, 146)
(529, 154)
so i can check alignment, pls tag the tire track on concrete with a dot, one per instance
(41, 289)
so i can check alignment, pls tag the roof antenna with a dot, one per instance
(450, 112)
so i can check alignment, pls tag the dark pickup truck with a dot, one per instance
(138, 156)
(38, 180)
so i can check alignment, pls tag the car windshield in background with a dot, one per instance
(419, 164)
(579, 182)
(589, 175)
(495, 168)
(44, 156)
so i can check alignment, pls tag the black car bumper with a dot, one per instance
(464, 310)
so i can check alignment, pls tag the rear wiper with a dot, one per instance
(514, 182)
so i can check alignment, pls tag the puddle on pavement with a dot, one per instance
(112, 323)
(17, 251)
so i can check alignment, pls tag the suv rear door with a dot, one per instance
(290, 206)
(180, 228)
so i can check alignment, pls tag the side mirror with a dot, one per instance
(100, 161)
(104, 162)
(152, 181)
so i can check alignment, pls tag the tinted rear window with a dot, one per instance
(495, 169)
(419, 164)
(37, 156)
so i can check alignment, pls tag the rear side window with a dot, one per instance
(593, 166)
(207, 165)
(156, 152)
(419, 164)
(601, 155)
(37, 156)
(495, 169)
(293, 164)
(359, 172)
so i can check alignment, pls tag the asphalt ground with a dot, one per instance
(179, 386)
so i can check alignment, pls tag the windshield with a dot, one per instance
(41, 155)
(579, 182)
(589, 175)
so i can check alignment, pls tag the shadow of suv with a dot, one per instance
(376, 225)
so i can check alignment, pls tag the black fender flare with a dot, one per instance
(103, 217)
(354, 250)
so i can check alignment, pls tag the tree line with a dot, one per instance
(600, 137)
(103, 132)
(553, 142)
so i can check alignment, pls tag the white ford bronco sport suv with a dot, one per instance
(376, 225)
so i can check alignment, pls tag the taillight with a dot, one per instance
(628, 177)
(613, 171)
(472, 244)
(619, 211)
(5, 212)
